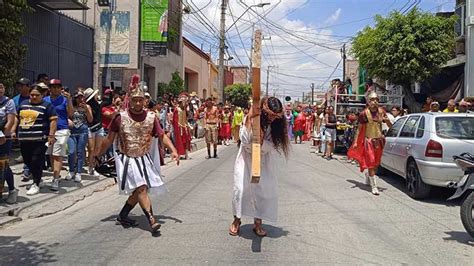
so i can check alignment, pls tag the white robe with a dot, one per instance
(250, 199)
(135, 172)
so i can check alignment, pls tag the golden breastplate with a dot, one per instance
(182, 118)
(135, 137)
(374, 128)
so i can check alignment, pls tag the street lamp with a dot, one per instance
(248, 8)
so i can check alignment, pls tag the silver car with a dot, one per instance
(420, 148)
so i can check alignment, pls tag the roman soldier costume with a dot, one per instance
(137, 158)
(369, 142)
(180, 125)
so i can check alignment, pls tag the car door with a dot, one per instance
(390, 139)
(403, 144)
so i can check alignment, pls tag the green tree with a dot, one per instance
(176, 85)
(238, 94)
(162, 88)
(12, 53)
(406, 48)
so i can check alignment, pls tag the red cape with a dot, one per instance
(182, 138)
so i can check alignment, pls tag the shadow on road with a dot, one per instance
(15, 252)
(437, 195)
(246, 231)
(461, 237)
(143, 222)
(363, 186)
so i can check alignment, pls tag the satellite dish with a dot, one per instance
(287, 98)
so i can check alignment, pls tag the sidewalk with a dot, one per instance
(48, 202)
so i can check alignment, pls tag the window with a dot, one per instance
(452, 127)
(393, 131)
(408, 130)
(421, 128)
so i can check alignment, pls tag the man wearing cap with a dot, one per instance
(62, 103)
(23, 87)
(369, 142)
(137, 161)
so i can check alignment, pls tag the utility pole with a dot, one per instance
(312, 93)
(303, 98)
(469, 68)
(343, 51)
(222, 50)
(268, 76)
(251, 51)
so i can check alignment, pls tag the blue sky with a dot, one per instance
(303, 37)
(316, 11)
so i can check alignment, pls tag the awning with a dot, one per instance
(63, 4)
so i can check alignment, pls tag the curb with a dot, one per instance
(56, 203)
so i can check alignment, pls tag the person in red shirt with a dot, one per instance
(299, 125)
(110, 111)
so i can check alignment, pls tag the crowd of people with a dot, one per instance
(52, 125)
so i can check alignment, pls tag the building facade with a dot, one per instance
(53, 50)
(240, 73)
(196, 69)
(117, 45)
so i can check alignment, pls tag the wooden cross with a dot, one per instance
(256, 137)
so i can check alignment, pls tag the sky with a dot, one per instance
(302, 38)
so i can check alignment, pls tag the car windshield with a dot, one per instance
(455, 127)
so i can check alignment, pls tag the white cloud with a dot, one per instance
(334, 17)
(314, 63)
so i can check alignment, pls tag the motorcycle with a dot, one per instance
(465, 189)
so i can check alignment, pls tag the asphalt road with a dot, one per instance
(326, 216)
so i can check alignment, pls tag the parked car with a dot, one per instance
(420, 148)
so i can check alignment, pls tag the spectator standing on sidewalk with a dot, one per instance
(96, 131)
(62, 103)
(237, 120)
(330, 120)
(434, 107)
(23, 87)
(7, 128)
(82, 115)
(451, 107)
(37, 127)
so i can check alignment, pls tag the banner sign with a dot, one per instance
(114, 38)
(154, 27)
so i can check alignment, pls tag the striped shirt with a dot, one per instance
(35, 120)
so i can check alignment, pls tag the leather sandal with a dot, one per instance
(234, 230)
(258, 229)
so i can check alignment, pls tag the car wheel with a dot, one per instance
(417, 189)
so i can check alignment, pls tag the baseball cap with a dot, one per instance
(40, 85)
(23, 81)
(54, 82)
(147, 95)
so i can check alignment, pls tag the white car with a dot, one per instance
(420, 148)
